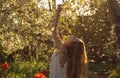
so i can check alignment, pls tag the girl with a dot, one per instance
(75, 65)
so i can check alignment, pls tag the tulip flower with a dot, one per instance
(4, 66)
(39, 75)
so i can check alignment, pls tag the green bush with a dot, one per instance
(26, 69)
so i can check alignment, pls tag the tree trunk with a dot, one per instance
(49, 3)
(115, 13)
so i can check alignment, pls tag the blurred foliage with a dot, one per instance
(25, 34)
(25, 69)
(22, 25)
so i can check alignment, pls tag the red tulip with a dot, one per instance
(39, 75)
(4, 66)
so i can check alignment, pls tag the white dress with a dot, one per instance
(56, 71)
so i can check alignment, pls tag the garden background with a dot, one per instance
(26, 42)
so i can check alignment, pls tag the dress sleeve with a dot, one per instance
(56, 71)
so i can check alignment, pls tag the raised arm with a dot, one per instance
(55, 32)
(57, 40)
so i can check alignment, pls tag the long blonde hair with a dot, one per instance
(77, 58)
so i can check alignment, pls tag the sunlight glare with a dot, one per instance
(58, 2)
